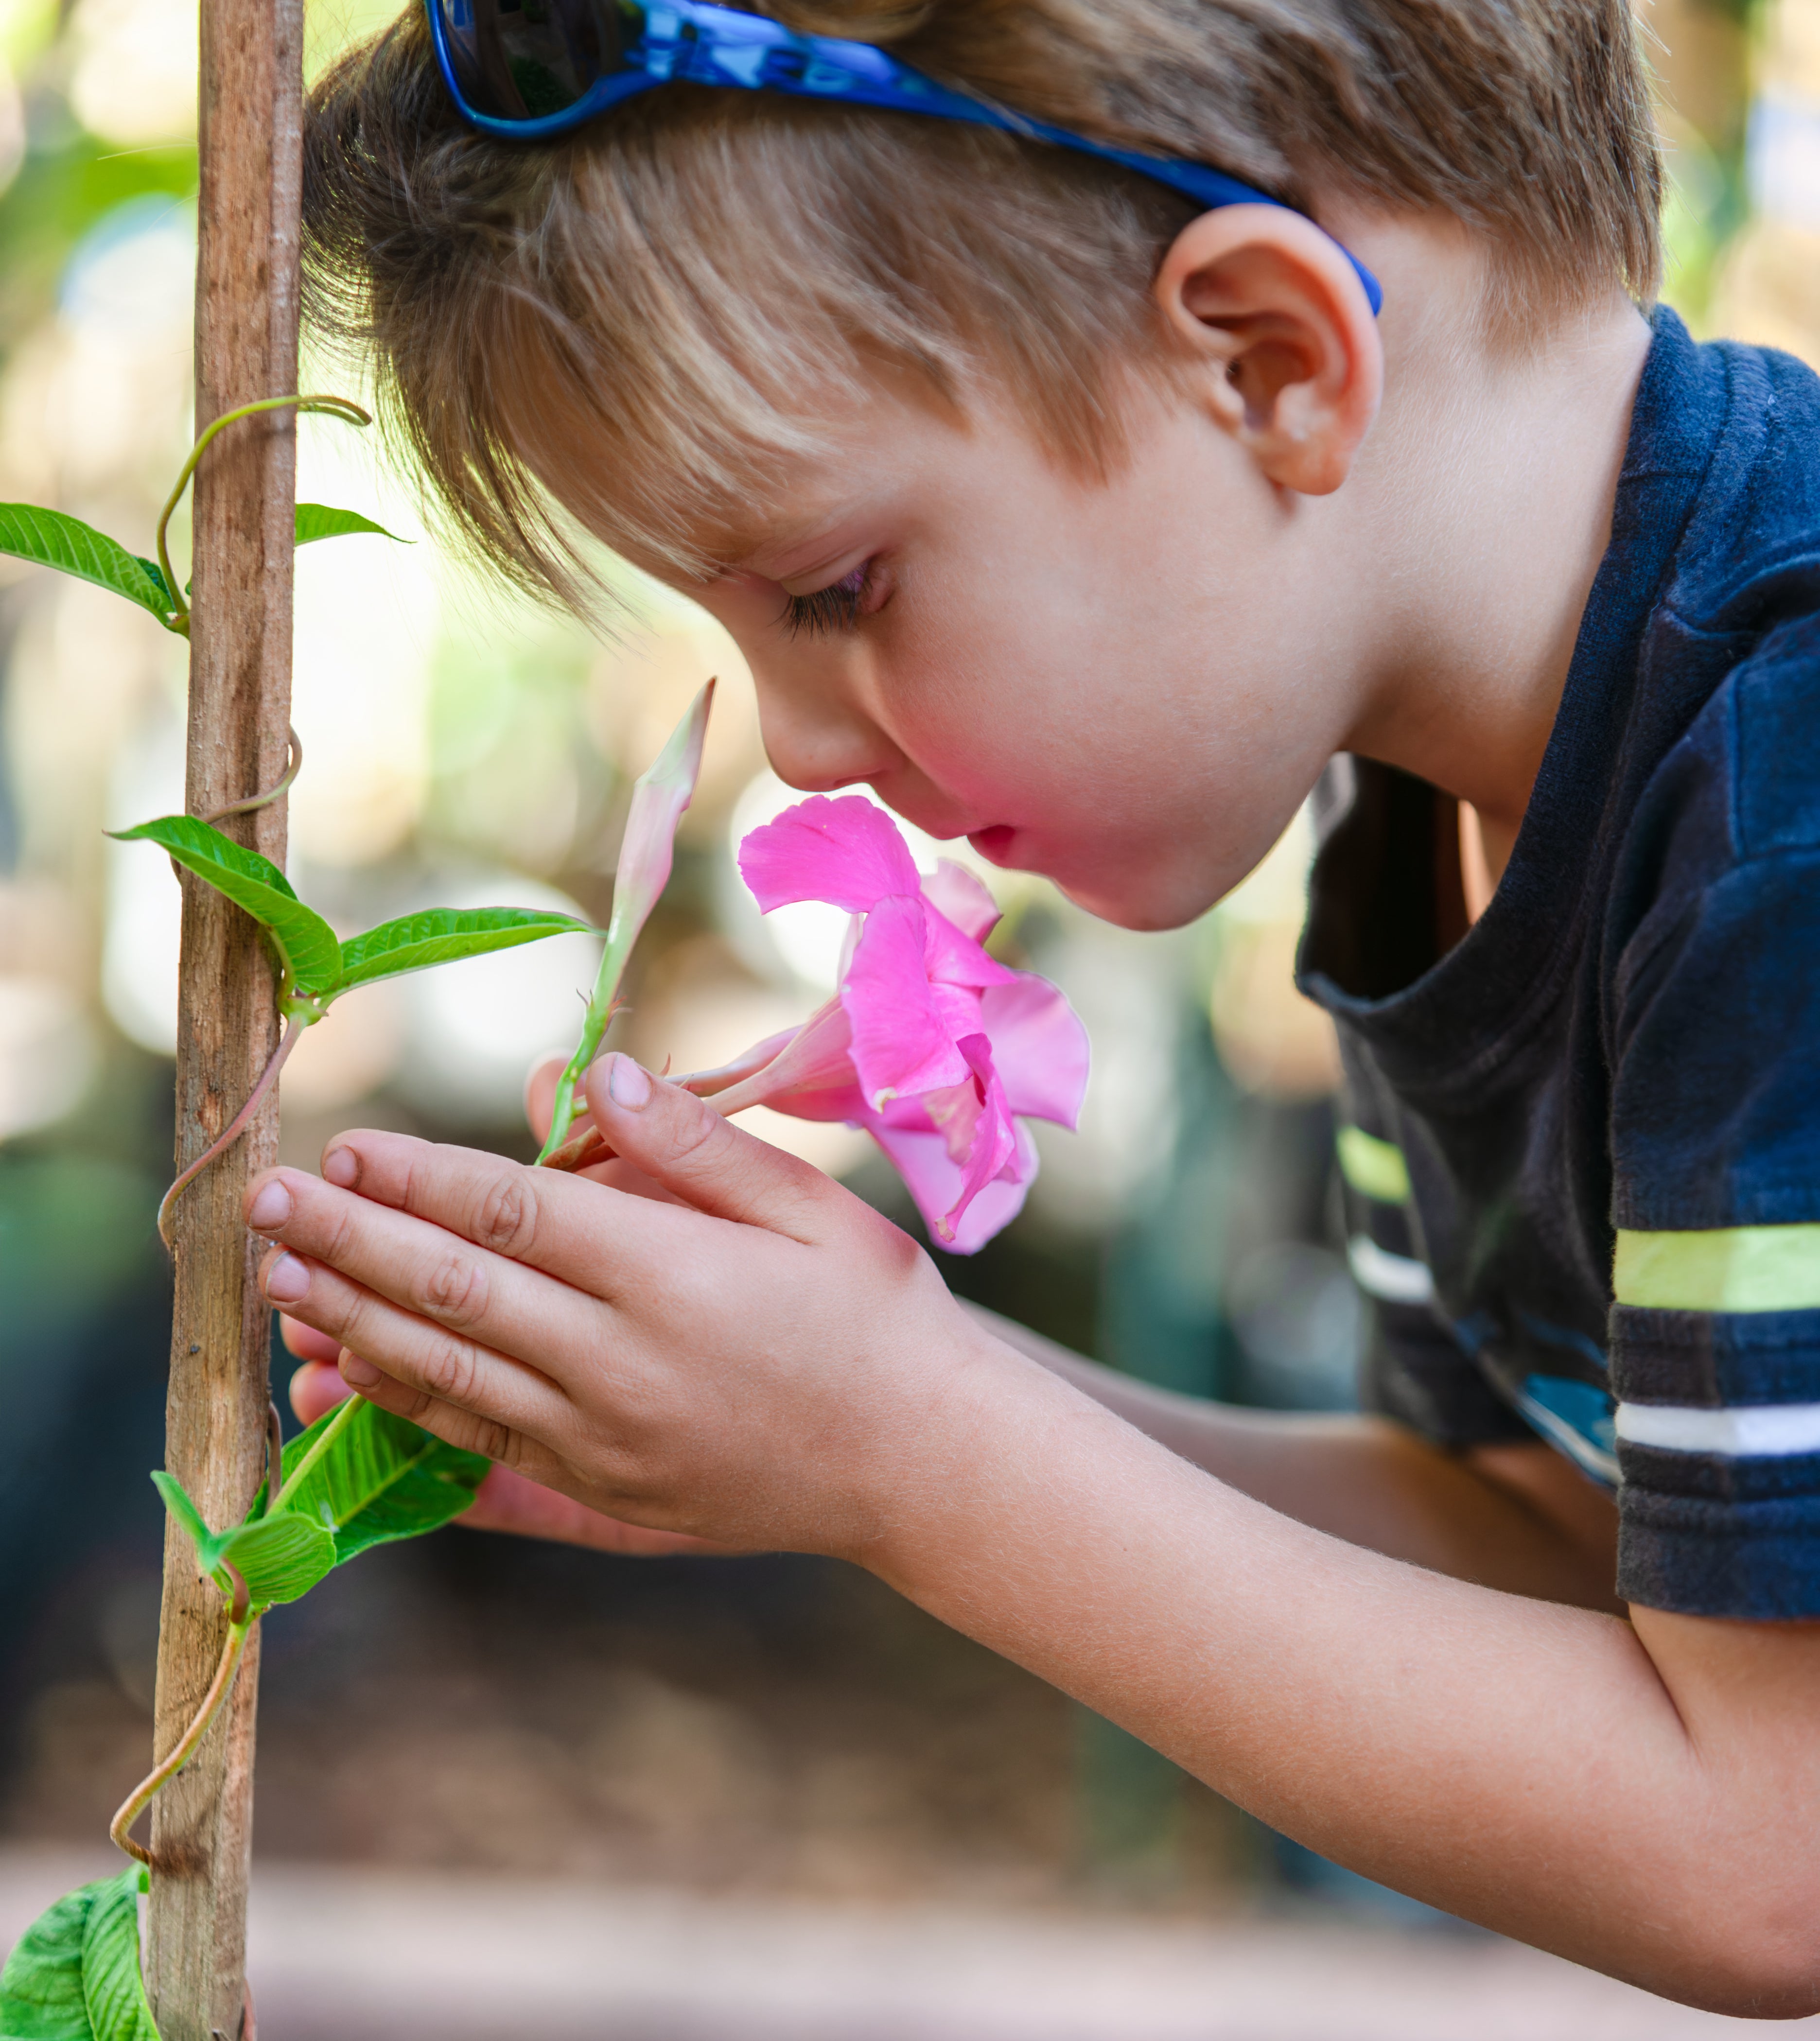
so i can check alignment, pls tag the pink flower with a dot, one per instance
(660, 794)
(931, 1045)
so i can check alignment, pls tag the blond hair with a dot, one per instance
(682, 286)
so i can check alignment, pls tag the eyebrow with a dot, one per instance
(781, 544)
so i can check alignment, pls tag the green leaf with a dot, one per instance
(321, 521)
(177, 1501)
(381, 1478)
(443, 935)
(41, 1987)
(113, 1989)
(303, 938)
(377, 1477)
(53, 540)
(74, 1975)
(280, 1557)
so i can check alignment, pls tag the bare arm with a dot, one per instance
(1642, 1797)
(1517, 1518)
(779, 1368)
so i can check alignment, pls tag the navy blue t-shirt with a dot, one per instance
(1584, 1147)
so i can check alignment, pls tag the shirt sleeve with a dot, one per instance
(1715, 1147)
(1414, 1370)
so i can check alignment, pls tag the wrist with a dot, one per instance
(969, 1476)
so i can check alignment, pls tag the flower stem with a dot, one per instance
(238, 1629)
(332, 1431)
(339, 407)
(601, 1009)
(580, 1151)
(274, 1458)
(293, 1030)
(293, 764)
(241, 1619)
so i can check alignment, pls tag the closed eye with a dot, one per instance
(836, 608)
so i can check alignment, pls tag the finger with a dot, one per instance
(619, 1175)
(429, 1271)
(411, 1366)
(670, 1136)
(455, 1427)
(514, 1502)
(544, 1219)
(316, 1386)
(540, 1094)
(306, 1344)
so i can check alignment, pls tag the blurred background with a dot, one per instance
(778, 1752)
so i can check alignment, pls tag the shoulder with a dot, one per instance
(1750, 553)
(1716, 885)
(1724, 726)
(1747, 773)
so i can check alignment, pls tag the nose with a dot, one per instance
(818, 740)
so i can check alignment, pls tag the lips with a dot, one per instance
(994, 843)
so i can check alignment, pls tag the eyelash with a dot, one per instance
(830, 610)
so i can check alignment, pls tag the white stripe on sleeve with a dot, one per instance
(1762, 1429)
(1396, 1278)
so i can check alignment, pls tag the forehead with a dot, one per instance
(851, 451)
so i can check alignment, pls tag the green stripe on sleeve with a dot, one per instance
(1730, 1269)
(1375, 1168)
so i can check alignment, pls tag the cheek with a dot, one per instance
(967, 701)
(1065, 692)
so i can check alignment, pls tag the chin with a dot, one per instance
(1148, 905)
(1147, 912)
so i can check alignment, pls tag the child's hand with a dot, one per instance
(506, 1501)
(620, 1175)
(764, 1366)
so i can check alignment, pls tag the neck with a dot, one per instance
(1484, 510)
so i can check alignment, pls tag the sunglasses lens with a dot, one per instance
(522, 60)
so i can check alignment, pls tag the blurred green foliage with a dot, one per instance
(68, 182)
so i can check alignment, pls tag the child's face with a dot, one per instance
(1127, 686)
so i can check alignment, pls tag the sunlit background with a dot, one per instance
(769, 1734)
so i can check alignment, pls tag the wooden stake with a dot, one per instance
(250, 128)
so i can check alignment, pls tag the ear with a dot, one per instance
(1295, 366)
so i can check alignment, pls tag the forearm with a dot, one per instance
(773, 1365)
(1522, 1764)
(1373, 1483)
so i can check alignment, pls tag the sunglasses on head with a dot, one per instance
(527, 69)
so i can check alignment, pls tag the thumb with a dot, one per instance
(540, 1095)
(681, 1143)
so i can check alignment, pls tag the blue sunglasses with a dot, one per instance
(527, 69)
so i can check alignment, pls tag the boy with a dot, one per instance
(1090, 517)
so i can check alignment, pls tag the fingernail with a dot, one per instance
(287, 1280)
(270, 1210)
(627, 1085)
(362, 1374)
(341, 1167)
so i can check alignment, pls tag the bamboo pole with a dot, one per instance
(251, 132)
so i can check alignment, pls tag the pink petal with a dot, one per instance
(951, 890)
(978, 1132)
(903, 1042)
(834, 1101)
(816, 1057)
(658, 799)
(724, 1077)
(951, 956)
(957, 1008)
(847, 851)
(995, 1131)
(954, 1111)
(1039, 1047)
(937, 1184)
